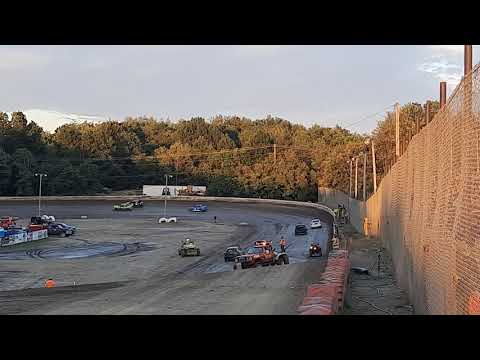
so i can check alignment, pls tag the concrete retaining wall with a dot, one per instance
(199, 199)
(356, 208)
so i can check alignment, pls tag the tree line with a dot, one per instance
(231, 155)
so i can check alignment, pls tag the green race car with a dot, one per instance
(188, 248)
(123, 207)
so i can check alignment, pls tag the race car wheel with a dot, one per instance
(286, 261)
(243, 266)
(280, 260)
(198, 252)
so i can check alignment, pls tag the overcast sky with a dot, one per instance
(325, 85)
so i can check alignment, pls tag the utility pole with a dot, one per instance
(427, 112)
(467, 79)
(374, 169)
(417, 124)
(443, 94)
(397, 130)
(350, 186)
(401, 147)
(176, 173)
(365, 175)
(467, 53)
(356, 177)
(40, 192)
(166, 186)
(275, 153)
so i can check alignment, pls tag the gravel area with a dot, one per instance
(376, 293)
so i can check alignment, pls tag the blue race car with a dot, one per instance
(199, 208)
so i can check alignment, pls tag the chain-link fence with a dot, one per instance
(427, 208)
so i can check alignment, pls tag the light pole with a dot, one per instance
(350, 189)
(365, 175)
(40, 191)
(350, 162)
(356, 177)
(166, 186)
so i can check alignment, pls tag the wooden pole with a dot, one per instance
(443, 94)
(427, 113)
(397, 130)
(467, 59)
(364, 176)
(356, 177)
(467, 78)
(350, 187)
(374, 169)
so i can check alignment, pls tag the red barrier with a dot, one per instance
(318, 300)
(328, 295)
(330, 307)
(321, 289)
(318, 311)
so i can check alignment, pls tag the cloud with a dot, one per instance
(50, 120)
(443, 70)
(17, 58)
(443, 64)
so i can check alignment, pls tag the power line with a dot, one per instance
(369, 116)
(155, 158)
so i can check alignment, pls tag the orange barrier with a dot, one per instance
(321, 289)
(318, 311)
(328, 295)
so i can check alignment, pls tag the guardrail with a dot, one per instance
(322, 207)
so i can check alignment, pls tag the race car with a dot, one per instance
(123, 207)
(300, 229)
(188, 248)
(8, 222)
(232, 252)
(68, 228)
(315, 224)
(137, 203)
(261, 255)
(265, 243)
(58, 229)
(315, 249)
(199, 208)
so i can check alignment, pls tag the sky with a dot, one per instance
(351, 86)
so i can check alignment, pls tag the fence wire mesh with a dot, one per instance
(427, 209)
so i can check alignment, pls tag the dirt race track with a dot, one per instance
(127, 263)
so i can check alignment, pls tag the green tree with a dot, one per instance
(5, 173)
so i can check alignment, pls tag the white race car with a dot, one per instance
(167, 220)
(316, 224)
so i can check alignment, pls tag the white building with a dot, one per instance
(159, 190)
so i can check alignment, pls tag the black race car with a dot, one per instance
(137, 203)
(59, 229)
(300, 229)
(315, 249)
(232, 252)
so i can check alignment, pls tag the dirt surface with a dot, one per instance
(376, 293)
(127, 263)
